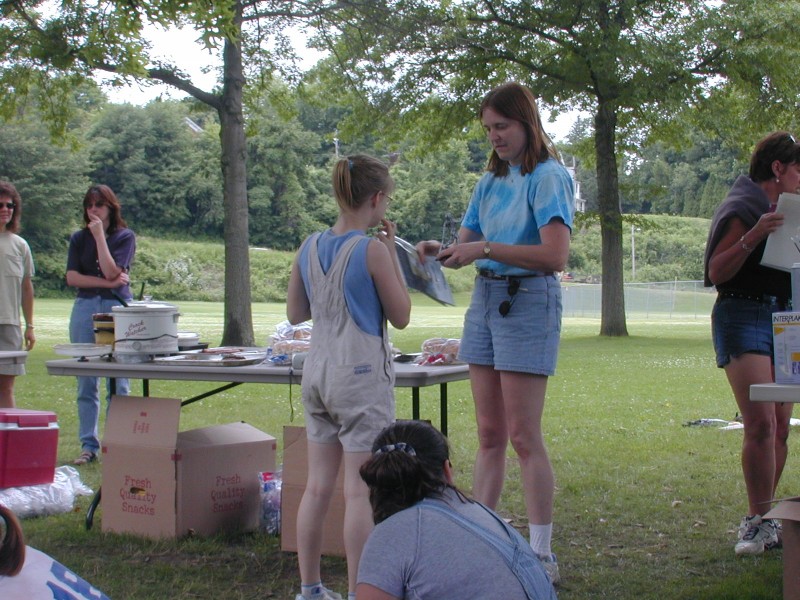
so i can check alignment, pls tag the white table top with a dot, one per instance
(13, 357)
(775, 392)
(406, 375)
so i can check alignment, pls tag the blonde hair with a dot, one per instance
(357, 178)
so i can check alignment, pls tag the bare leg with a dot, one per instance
(358, 514)
(762, 451)
(323, 467)
(7, 391)
(490, 462)
(523, 396)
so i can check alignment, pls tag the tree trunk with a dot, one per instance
(612, 318)
(238, 325)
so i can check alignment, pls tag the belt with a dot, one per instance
(492, 275)
(762, 298)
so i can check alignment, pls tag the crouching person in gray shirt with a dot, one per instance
(431, 541)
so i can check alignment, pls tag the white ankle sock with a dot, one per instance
(541, 535)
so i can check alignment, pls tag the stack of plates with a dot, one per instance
(189, 340)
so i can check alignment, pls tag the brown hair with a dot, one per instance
(102, 194)
(356, 178)
(406, 466)
(778, 145)
(7, 190)
(516, 102)
(12, 544)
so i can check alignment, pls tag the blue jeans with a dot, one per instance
(81, 331)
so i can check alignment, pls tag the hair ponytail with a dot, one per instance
(358, 177)
(406, 467)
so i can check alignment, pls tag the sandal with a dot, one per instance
(85, 458)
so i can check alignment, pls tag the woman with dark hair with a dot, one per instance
(516, 230)
(430, 540)
(350, 284)
(99, 258)
(741, 321)
(16, 268)
(12, 544)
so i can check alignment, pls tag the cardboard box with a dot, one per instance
(28, 447)
(160, 483)
(295, 471)
(786, 338)
(789, 513)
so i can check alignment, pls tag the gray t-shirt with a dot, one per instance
(422, 555)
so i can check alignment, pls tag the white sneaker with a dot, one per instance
(320, 592)
(550, 565)
(756, 535)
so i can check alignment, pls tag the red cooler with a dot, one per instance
(28, 447)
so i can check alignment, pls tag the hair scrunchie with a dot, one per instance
(399, 446)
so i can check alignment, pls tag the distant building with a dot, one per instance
(192, 125)
(580, 203)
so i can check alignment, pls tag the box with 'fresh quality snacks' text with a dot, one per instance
(162, 483)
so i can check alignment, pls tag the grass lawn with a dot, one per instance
(645, 506)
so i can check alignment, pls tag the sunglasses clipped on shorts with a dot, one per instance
(505, 305)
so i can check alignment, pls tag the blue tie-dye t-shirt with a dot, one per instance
(512, 209)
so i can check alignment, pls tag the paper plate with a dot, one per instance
(82, 349)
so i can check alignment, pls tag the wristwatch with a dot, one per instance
(487, 249)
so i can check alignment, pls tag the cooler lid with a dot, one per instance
(27, 418)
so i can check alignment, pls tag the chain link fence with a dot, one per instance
(680, 300)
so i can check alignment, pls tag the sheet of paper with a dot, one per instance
(783, 245)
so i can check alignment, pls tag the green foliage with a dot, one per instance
(181, 270)
(50, 179)
(666, 248)
(145, 155)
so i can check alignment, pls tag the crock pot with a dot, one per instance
(145, 328)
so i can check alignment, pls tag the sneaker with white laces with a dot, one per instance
(320, 593)
(756, 535)
(550, 565)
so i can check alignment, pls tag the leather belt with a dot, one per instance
(492, 275)
(762, 298)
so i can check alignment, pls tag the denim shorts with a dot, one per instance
(740, 326)
(526, 340)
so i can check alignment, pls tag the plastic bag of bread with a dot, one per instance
(439, 351)
(289, 340)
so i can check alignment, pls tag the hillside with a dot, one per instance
(666, 248)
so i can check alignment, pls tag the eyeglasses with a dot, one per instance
(505, 305)
(9, 205)
(389, 199)
(791, 137)
(97, 204)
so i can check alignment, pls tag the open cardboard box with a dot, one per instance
(788, 510)
(295, 471)
(161, 483)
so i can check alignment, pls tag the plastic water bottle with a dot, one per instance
(271, 503)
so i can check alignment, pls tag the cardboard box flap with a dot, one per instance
(143, 421)
(228, 434)
(787, 509)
